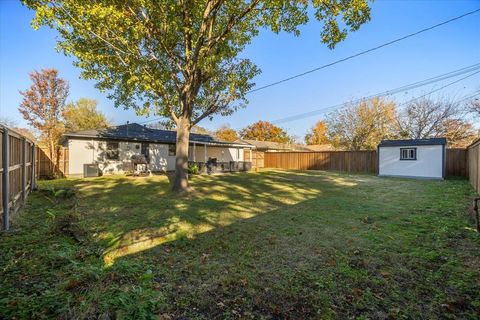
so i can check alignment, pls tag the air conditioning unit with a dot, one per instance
(90, 170)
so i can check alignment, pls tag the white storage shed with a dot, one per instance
(414, 158)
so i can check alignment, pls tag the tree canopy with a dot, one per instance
(426, 118)
(42, 106)
(180, 58)
(83, 115)
(226, 133)
(317, 134)
(265, 131)
(363, 125)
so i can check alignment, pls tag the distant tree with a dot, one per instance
(162, 125)
(474, 107)
(8, 122)
(30, 134)
(317, 134)
(83, 115)
(226, 133)
(12, 124)
(361, 126)
(265, 131)
(182, 59)
(427, 118)
(459, 133)
(199, 130)
(42, 106)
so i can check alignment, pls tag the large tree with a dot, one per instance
(83, 115)
(427, 118)
(317, 134)
(265, 131)
(180, 58)
(361, 126)
(42, 106)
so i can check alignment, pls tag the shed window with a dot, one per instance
(408, 153)
(112, 151)
(172, 149)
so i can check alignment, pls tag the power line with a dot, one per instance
(404, 88)
(364, 52)
(410, 86)
(385, 93)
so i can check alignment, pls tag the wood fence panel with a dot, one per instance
(348, 161)
(48, 168)
(352, 161)
(456, 162)
(473, 154)
(17, 172)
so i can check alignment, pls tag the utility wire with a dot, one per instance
(364, 52)
(386, 93)
(350, 57)
(410, 86)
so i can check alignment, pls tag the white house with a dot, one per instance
(111, 150)
(416, 158)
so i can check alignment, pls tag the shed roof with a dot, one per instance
(413, 142)
(136, 132)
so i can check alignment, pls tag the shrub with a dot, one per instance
(193, 169)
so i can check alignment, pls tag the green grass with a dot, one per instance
(268, 245)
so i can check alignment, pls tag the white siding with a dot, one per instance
(429, 163)
(159, 158)
(93, 151)
(83, 151)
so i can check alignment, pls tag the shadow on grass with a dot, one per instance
(130, 215)
(276, 244)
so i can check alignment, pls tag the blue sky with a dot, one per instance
(441, 50)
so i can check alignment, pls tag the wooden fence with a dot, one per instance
(353, 161)
(348, 161)
(17, 165)
(474, 164)
(456, 162)
(47, 168)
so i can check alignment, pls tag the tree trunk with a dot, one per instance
(180, 183)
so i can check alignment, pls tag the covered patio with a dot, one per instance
(220, 158)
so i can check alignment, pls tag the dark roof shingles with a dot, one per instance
(413, 142)
(135, 131)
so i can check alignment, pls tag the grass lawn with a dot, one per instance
(267, 245)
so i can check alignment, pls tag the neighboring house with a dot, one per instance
(270, 146)
(419, 158)
(112, 149)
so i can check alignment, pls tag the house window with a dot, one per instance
(112, 151)
(408, 153)
(172, 149)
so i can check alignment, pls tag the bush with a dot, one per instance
(193, 169)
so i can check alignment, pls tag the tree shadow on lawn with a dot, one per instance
(274, 244)
(320, 256)
(286, 244)
(131, 215)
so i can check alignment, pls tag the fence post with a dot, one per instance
(24, 169)
(5, 179)
(33, 185)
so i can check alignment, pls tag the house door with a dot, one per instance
(145, 151)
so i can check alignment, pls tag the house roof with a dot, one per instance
(413, 142)
(136, 132)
